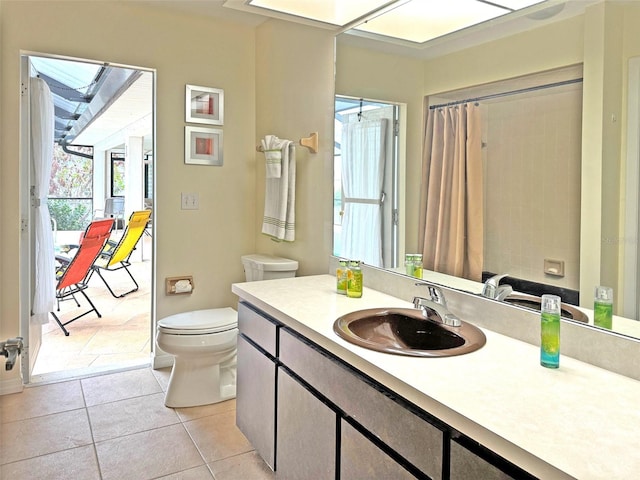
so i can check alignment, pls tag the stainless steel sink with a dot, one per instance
(533, 302)
(406, 331)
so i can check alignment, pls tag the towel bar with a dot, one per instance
(310, 142)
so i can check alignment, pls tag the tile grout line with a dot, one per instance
(195, 444)
(93, 440)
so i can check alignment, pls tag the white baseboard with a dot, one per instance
(11, 385)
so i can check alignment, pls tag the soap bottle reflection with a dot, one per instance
(354, 280)
(603, 307)
(413, 264)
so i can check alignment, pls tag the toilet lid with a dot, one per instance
(199, 322)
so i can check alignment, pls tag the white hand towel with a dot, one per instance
(279, 199)
(272, 147)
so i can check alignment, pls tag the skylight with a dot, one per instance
(415, 21)
(335, 12)
(422, 20)
(70, 83)
(81, 91)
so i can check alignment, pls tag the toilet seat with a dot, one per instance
(200, 322)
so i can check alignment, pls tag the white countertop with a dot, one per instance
(579, 421)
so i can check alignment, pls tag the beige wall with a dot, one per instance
(630, 48)
(532, 190)
(533, 51)
(601, 147)
(184, 49)
(294, 78)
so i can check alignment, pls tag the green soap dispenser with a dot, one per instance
(550, 331)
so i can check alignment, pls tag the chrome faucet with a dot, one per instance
(493, 289)
(437, 302)
(435, 294)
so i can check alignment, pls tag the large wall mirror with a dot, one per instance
(560, 169)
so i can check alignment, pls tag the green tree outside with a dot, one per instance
(71, 189)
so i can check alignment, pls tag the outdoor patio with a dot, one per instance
(120, 339)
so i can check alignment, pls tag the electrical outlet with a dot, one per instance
(190, 201)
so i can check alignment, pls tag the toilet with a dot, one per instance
(203, 342)
(267, 267)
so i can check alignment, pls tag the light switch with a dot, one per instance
(190, 201)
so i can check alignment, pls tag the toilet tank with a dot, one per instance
(266, 267)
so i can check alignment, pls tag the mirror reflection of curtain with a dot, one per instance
(42, 129)
(451, 199)
(363, 159)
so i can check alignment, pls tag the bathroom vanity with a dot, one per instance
(316, 406)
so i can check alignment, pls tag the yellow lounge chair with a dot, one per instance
(115, 255)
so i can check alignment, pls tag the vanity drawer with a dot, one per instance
(261, 330)
(466, 465)
(306, 433)
(411, 436)
(360, 458)
(256, 399)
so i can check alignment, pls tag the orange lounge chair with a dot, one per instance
(115, 255)
(73, 273)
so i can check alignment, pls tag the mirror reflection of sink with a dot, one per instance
(534, 303)
(405, 331)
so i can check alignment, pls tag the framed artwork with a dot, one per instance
(204, 105)
(203, 146)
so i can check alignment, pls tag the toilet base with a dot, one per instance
(195, 381)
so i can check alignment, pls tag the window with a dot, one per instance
(117, 174)
(71, 188)
(148, 176)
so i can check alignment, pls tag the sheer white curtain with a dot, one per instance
(363, 156)
(42, 125)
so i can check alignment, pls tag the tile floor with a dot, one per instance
(116, 426)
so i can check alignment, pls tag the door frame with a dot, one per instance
(393, 209)
(631, 246)
(32, 337)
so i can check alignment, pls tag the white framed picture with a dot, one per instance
(204, 105)
(203, 146)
